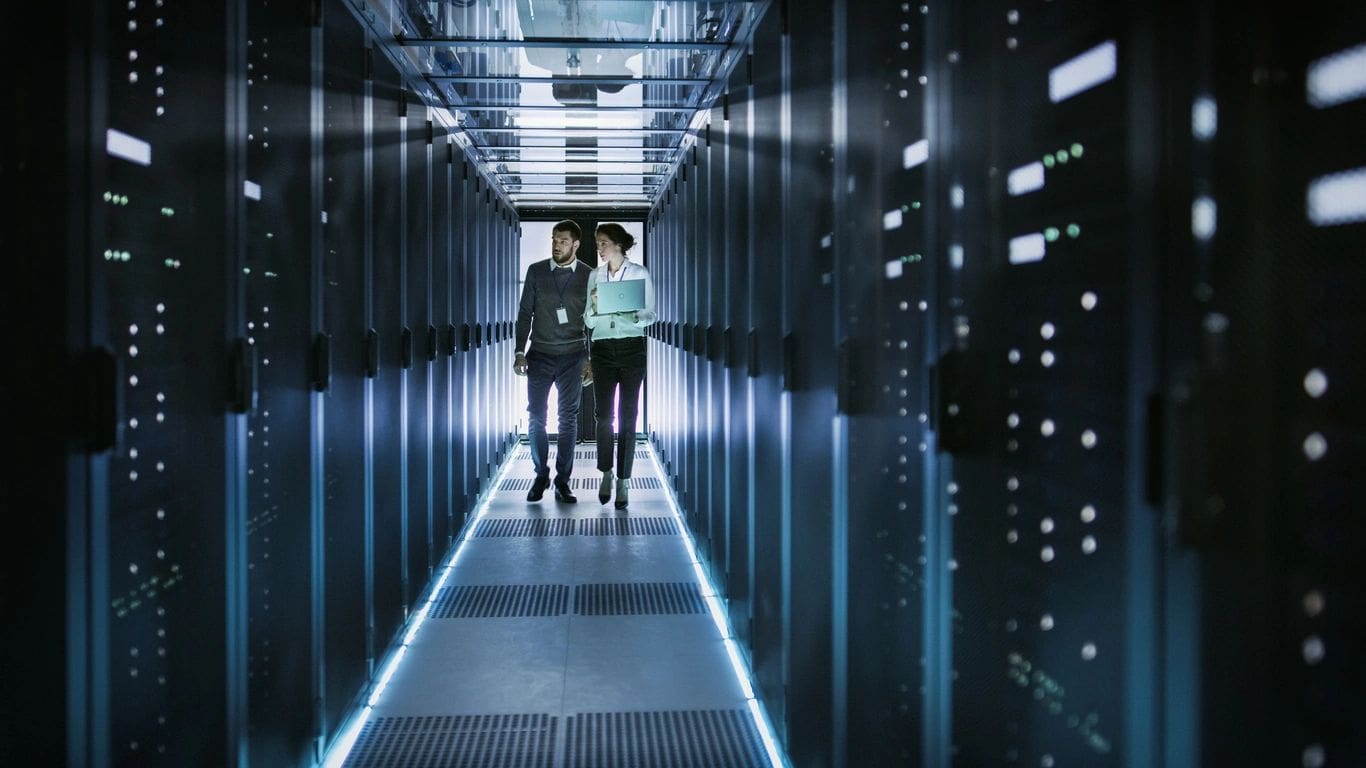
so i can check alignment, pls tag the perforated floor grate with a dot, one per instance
(723, 738)
(579, 455)
(500, 601)
(634, 483)
(523, 527)
(628, 526)
(456, 741)
(658, 598)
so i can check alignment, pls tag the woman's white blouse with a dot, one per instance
(620, 325)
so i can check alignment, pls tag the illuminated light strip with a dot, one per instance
(134, 150)
(915, 154)
(1027, 248)
(1338, 198)
(1025, 179)
(1086, 70)
(1204, 217)
(252, 190)
(341, 748)
(1336, 79)
(718, 616)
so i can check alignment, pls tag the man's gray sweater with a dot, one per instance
(543, 294)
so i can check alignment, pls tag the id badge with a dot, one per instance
(563, 315)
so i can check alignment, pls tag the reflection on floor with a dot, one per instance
(569, 635)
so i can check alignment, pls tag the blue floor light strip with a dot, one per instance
(718, 617)
(341, 748)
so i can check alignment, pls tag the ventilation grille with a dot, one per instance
(628, 526)
(582, 453)
(692, 739)
(638, 599)
(524, 527)
(592, 483)
(456, 741)
(501, 601)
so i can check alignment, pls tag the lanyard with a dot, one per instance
(561, 285)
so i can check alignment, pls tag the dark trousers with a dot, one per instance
(566, 373)
(608, 381)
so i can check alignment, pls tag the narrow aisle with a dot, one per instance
(571, 635)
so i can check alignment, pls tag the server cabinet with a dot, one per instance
(441, 340)
(417, 246)
(715, 488)
(348, 322)
(881, 507)
(739, 208)
(808, 380)
(167, 529)
(1055, 543)
(765, 367)
(1264, 422)
(391, 587)
(294, 363)
(468, 383)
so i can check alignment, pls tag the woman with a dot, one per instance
(618, 357)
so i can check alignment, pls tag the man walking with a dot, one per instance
(551, 314)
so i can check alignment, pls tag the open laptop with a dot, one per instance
(621, 296)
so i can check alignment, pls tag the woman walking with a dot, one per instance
(618, 358)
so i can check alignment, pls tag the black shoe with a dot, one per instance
(537, 488)
(562, 492)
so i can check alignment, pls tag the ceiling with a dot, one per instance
(577, 103)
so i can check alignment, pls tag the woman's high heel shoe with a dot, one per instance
(605, 490)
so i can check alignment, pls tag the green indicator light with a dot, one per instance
(1048, 161)
(1050, 234)
(1076, 150)
(1061, 155)
(1073, 230)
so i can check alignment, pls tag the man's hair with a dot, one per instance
(568, 225)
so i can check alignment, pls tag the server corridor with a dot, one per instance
(567, 635)
(1004, 402)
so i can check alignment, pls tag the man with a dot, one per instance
(551, 314)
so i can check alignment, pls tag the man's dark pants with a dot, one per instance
(566, 373)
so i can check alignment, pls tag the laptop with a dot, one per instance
(621, 296)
